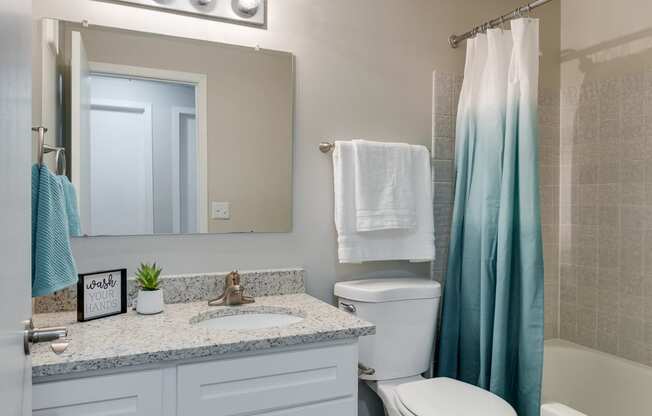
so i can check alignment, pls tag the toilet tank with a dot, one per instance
(404, 311)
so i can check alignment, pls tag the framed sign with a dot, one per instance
(101, 294)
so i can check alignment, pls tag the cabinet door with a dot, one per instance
(341, 407)
(315, 382)
(127, 394)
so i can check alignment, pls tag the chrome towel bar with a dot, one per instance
(326, 147)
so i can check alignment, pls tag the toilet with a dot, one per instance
(405, 311)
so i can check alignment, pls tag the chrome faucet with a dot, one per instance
(233, 293)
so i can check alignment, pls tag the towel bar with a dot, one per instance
(326, 147)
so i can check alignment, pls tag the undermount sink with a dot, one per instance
(247, 318)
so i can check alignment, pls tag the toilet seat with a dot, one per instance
(444, 396)
(404, 411)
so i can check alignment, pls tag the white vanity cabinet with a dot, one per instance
(138, 393)
(316, 380)
(310, 382)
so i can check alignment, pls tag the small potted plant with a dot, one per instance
(150, 296)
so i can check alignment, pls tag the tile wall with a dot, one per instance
(446, 92)
(606, 215)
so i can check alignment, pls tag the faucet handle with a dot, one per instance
(232, 279)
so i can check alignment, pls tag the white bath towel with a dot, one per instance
(384, 196)
(416, 244)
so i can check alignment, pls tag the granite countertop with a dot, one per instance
(131, 339)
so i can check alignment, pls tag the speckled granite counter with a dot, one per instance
(132, 340)
(191, 287)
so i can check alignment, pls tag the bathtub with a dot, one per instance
(579, 380)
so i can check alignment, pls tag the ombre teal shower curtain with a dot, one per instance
(492, 314)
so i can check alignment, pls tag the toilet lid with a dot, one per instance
(445, 396)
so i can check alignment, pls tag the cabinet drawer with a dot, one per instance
(127, 394)
(296, 382)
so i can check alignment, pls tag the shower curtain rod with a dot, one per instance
(454, 40)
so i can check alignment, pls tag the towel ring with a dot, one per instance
(60, 152)
(60, 158)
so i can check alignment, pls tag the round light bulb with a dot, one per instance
(248, 7)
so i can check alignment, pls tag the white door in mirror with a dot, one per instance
(220, 210)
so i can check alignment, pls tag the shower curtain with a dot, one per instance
(492, 313)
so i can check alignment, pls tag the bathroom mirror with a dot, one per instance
(166, 135)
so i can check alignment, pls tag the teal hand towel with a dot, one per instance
(72, 212)
(53, 266)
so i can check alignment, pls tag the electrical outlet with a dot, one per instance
(220, 210)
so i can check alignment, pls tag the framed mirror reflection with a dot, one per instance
(167, 135)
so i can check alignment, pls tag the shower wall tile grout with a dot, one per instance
(549, 116)
(605, 232)
(446, 91)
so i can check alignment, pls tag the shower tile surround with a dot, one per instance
(549, 162)
(606, 214)
(192, 288)
(446, 91)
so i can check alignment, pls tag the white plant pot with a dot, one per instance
(149, 302)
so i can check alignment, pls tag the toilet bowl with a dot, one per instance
(386, 391)
(418, 396)
(404, 311)
(440, 397)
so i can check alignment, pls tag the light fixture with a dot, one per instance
(246, 12)
(247, 7)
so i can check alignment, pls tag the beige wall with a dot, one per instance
(249, 98)
(363, 69)
(45, 72)
(606, 176)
